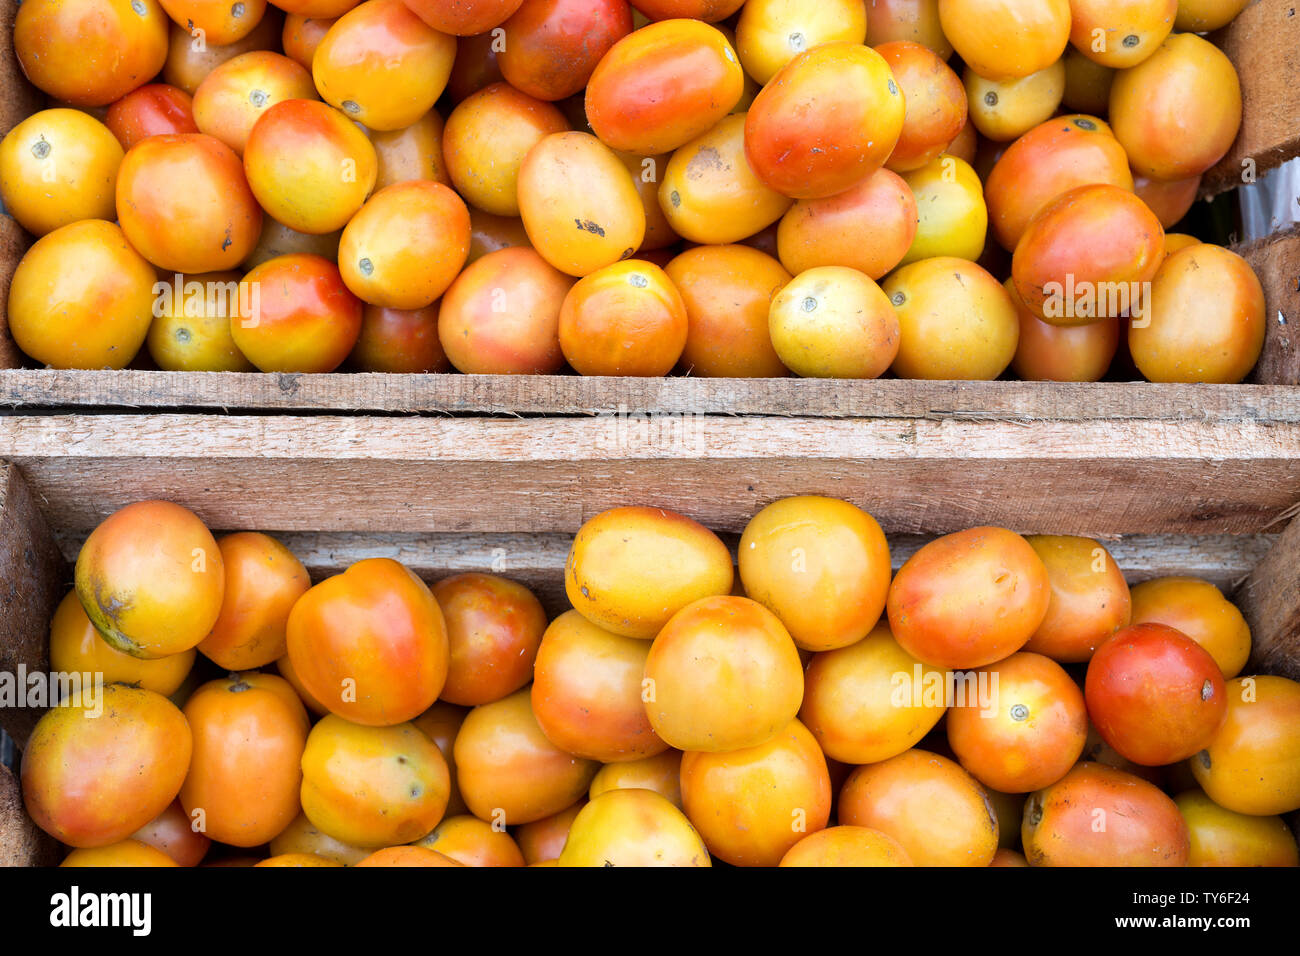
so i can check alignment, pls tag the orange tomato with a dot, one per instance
(95, 314)
(868, 228)
(90, 52)
(1252, 764)
(660, 773)
(217, 21)
(370, 643)
(263, 581)
(494, 628)
(1200, 16)
(441, 723)
(190, 57)
(407, 856)
(298, 860)
(1002, 110)
(464, 17)
(302, 837)
(1220, 837)
(1089, 598)
(296, 315)
(131, 853)
(1087, 84)
(277, 239)
(834, 322)
(411, 153)
(770, 33)
(1005, 39)
(301, 37)
(646, 171)
(550, 47)
(399, 340)
(847, 846)
(624, 319)
(1170, 201)
(1062, 353)
(488, 233)
(1120, 33)
(150, 110)
(814, 153)
(309, 167)
(632, 828)
(1198, 609)
(710, 11)
(236, 93)
(935, 100)
(173, 832)
(97, 769)
(472, 842)
(191, 327)
(285, 667)
(318, 8)
(502, 314)
(544, 839)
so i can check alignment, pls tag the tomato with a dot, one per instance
(1006, 39)
(913, 20)
(151, 110)
(298, 860)
(464, 17)
(441, 723)
(309, 167)
(90, 52)
(770, 33)
(302, 837)
(544, 839)
(1089, 598)
(488, 233)
(711, 11)
(472, 842)
(1099, 816)
(1120, 33)
(241, 721)
(191, 328)
(285, 667)
(277, 239)
(834, 322)
(97, 769)
(871, 700)
(217, 21)
(632, 828)
(372, 786)
(58, 167)
(508, 771)
(631, 569)
(646, 171)
(1170, 201)
(868, 227)
(550, 47)
(847, 846)
(296, 315)
(1088, 254)
(1205, 319)
(933, 808)
(1252, 765)
(382, 66)
(1087, 84)
(660, 773)
(587, 692)
(399, 340)
(1177, 112)
(624, 319)
(1096, 750)
(263, 581)
(236, 93)
(1201, 16)
(970, 598)
(579, 204)
(1008, 858)
(1004, 109)
(1061, 353)
(173, 832)
(150, 578)
(95, 315)
(406, 245)
(501, 315)
(1045, 162)
(936, 103)
(1220, 837)
(190, 57)
(722, 675)
(370, 643)
(318, 8)
(956, 320)
(1178, 240)
(301, 36)
(952, 219)
(812, 153)
(407, 856)
(476, 65)
(411, 153)
(131, 853)
(1198, 609)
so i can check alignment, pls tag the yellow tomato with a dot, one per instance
(952, 219)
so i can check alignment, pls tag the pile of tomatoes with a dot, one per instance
(718, 187)
(1001, 700)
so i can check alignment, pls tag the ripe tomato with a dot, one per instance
(1220, 837)
(710, 11)
(1062, 353)
(370, 643)
(869, 228)
(263, 581)
(1252, 765)
(913, 20)
(1004, 109)
(441, 723)
(151, 579)
(309, 167)
(1087, 84)
(494, 627)
(302, 837)
(488, 233)
(1198, 609)
(624, 319)
(300, 317)
(173, 832)
(476, 65)
(1204, 321)
(190, 57)
(301, 36)
(236, 93)
(1178, 240)
(936, 103)
(956, 321)
(812, 153)
(217, 21)
(871, 700)
(95, 771)
(1089, 598)
(663, 85)
(372, 786)
(1177, 112)
(847, 846)
(399, 340)
(970, 598)
(407, 856)
(285, 667)
(191, 328)
(631, 569)
(411, 153)
(77, 648)
(1098, 816)
(551, 47)
(1170, 201)
(834, 322)
(90, 52)
(646, 172)
(660, 773)
(1120, 33)
(277, 239)
(632, 828)
(238, 722)
(1005, 39)
(464, 17)
(150, 110)
(93, 315)
(770, 33)
(727, 291)
(318, 8)
(1201, 16)
(126, 853)
(544, 839)
(952, 219)
(927, 803)
(472, 842)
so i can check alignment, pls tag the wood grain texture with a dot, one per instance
(33, 578)
(13, 243)
(1263, 43)
(1276, 260)
(18, 98)
(1270, 600)
(22, 842)
(509, 475)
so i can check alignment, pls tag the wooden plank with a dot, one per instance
(33, 578)
(18, 98)
(1270, 600)
(1276, 260)
(510, 475)
(1263, 43)
(630, 400)
(13, 243)
(22, 842)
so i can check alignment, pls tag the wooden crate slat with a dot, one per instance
(1270, 600)
(1276, 260)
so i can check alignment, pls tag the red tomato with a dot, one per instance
(151, 110)
(551, 47)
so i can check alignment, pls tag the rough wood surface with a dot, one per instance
(509, 475)
(1263, 43)
(13, 243)
(18, 98)
(1270, 600)
(1276, 260)
(22, 842)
